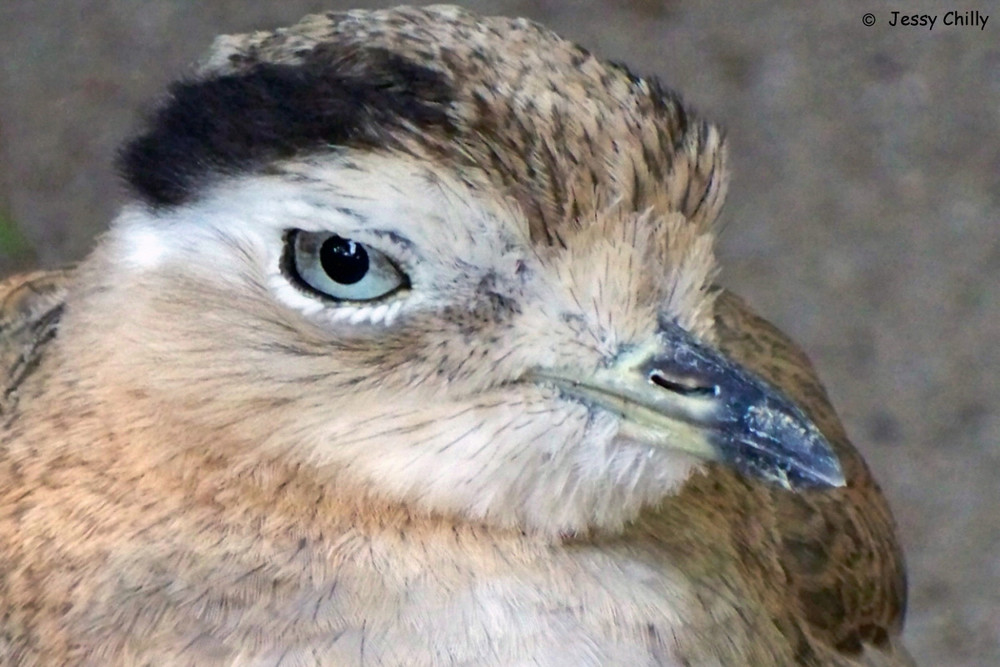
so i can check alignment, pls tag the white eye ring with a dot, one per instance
(339, 268)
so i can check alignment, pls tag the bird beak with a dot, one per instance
(674, 392)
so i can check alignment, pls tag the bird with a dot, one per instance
(408, 347)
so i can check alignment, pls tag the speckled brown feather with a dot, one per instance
(835, 549)
(30, 305)
(563, 131)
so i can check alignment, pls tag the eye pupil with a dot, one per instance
(345, 261)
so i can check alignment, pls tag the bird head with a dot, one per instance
(453, 262)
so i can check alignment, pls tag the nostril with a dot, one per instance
(681, 387)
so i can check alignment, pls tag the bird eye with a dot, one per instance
(340, 268)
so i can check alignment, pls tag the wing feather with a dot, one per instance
(30, 307)
(837, 548)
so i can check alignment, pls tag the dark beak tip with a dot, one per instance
(831, 481)
(787, 467)
(824, 473)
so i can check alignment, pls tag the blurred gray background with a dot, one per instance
(863, 218)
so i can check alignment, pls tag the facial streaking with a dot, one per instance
(511, 268)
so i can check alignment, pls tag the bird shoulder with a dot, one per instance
(30, 307)
(834, 550)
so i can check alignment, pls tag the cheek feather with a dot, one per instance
(517, 457)
(144, 249)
